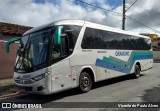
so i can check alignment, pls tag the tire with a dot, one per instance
(137, 71)
(85, 82)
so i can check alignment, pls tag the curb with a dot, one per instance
(20, 92)
(156, 62)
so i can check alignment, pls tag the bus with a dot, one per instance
(75, 53)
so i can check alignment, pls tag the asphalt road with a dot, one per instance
(121, 89)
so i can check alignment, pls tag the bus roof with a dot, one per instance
(84, 23)
(61, 22)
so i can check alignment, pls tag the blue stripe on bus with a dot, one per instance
(127, 69)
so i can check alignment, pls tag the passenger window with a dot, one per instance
(101, 39)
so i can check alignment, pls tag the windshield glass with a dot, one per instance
(33, 50)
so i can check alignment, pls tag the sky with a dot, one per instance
(38, 12)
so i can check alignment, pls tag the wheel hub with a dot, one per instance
(85, 82)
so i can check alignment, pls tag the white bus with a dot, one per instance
(75, 53)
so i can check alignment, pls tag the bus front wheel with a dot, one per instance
(85, 82)
(137, 71)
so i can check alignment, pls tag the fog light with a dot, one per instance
(40, 88)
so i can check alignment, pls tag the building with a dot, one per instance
(156, 44)
(155, 41)
(152, 36)
(8, 31)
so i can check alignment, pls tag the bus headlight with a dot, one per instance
(37, 78)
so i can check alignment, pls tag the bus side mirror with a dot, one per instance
(57, 35)
(10, 41)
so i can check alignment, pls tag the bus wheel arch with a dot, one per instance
(89, 75)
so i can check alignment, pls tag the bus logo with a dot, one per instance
(6, 105)
(122, 53)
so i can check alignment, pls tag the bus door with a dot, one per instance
(61, 70)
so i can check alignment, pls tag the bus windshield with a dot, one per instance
(33, 50)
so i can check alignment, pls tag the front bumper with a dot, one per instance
(42, 87)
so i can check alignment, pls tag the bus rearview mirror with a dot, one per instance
(57, 35)
(10, 41)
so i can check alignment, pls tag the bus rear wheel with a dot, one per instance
(85, 82)
(137, 71)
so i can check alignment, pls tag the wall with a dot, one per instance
(7, 60)
(156, 56)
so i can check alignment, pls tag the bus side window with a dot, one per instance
(68, 39)
(56, 43)
(60, 48)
